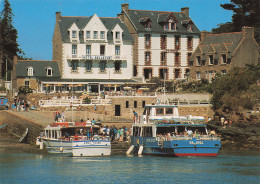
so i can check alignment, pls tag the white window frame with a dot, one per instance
(47, 71)
(88, 34)
(117, 35)
(222, 58)
(198, 61)
(95, 35)
(117, 50)
(211, 60)
(25, 84)
(102, 34)
(74, 49)
(74, 34)
(198, 75)
(89, 65)
(30, 71)
(88, 49)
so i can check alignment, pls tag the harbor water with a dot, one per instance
(234, 167)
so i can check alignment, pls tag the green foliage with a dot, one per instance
(87, 100)
(2, 88)
(234, 91)
(245, 13)
(24, 90)
(159, 85)
(193, 86)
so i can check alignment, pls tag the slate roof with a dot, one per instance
(66, 22)
(58, 79)
(231, 40)
(157, 18)
(39, 68)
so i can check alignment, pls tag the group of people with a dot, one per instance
(117, 134)
(225, 122)
(21, 105)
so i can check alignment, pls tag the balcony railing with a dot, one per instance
(96, 57)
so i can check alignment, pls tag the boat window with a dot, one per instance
(55, 134)
(147, 131)
(144, 111)
(180, 130)
(136, 131)
(199, 130)
(169, 111)
(159, 111)
(165, 130)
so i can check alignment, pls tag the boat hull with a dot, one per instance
(179, 148)
(78, 148)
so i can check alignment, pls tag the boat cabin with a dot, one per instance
(168, 129)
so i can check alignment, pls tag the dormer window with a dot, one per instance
(30, 71)
(102, 34)
(49, 71)
(189, 27)
(117, 35)
(74, 34)
(88, 34)
(95, 35)
(147, 25)
(170, 25)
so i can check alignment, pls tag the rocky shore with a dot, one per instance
(240, 136)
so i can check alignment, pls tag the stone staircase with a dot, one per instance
(119, 148)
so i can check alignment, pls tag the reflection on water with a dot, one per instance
(33, 168)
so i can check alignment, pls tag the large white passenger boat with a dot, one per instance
(75, 139)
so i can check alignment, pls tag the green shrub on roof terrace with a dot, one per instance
(24, 90)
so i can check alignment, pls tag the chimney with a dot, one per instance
(58, 16)
(203, 34)
(248, 32)
(125, 7)
(185, 10)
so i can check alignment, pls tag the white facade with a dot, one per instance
(96, 57)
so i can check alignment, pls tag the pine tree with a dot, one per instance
(246, 13)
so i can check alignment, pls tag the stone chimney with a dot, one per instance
(248, 32)
(185, 10)
(58, 16)
(203, 34)
(125, 7)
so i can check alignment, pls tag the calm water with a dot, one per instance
(239, 167)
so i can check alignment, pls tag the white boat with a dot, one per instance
(76, 139)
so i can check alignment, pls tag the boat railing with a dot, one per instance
(187, 137)
(85, 138)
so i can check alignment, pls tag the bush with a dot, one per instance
(24, 90)
(2, 88)
(87, 100)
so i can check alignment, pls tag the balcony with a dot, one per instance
(95, 57)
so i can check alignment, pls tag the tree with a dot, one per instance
(246, 13)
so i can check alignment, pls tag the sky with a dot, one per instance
(35, 19)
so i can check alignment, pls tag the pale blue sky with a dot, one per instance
(35, 19)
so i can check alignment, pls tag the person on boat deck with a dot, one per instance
(67, 135)
(88, 121)
(189, 132)
(93, 121)
(135, 116)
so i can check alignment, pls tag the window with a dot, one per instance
(189, 43)
(74, 65)
(27, 84)
(177, 42)
(147, 73)
(163, 42)
(147, 56)
(163, 73)
(117, 50)
(95, 35)
(163, 56)
(177, 59)
(210, 75)
(74, 34)
(169, 110)
(49, 71)
(143, 104)
(30, 71)
(127, 104)
(102, 34)
(88, 49)
(88, 66)
(147, 40)
(198, 60)
(102, 66)
(211, 61)
(147, 25)
(198, 75)
(102, 50)
(159, 111)
(224, 59)
(223, 72)
(117, 35)
(173, 26)
(74, 49)
(135, 104)
(117, 66)
(190, 62)
(88, 34)
(177, 73)
(189, 27)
